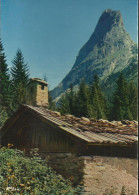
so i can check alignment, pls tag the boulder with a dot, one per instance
(85, 119)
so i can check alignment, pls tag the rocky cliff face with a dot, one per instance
(109, 51)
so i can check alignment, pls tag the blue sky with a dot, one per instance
(50, 33)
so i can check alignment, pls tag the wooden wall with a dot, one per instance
(29, 131)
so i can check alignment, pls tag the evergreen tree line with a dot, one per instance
(12, 83)
(90, 101)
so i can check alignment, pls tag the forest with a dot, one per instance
(88, 101)
(91, 102)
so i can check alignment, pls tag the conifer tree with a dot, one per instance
(98, 107)
(121, 108)
(4, 80)
(82, 100)
(64, 104)
(52, 105)
(20, 78)
(4, 76)
(71, 99)
(3, 115)
(133, 100)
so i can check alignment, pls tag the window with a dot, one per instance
(42, 87)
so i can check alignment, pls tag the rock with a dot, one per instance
(77, 119)
(85, 119)
(93, 119)
(103, 121)
(70, 116)
(84, 122)
(55, 113)
(117, 123)
(136, 122)
(125, 122)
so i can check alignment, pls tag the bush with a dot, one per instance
(20, 174)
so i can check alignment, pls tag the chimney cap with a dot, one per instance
(39, 81)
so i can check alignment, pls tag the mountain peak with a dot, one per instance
(107, 52)
(111, 16)
(109, 29)
(108, 20)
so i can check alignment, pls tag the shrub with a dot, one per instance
(21, 174)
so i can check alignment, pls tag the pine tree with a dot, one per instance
(98, 106)
(4, 80)
(5, 96)
(3, 115)
(121, 105)
(52, 105)
(71, 98)
(64, 104)
(82, 100)
(20, 78)
(133, 100)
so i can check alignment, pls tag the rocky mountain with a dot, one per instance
(109, 51)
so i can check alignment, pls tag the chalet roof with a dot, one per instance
(90, 130)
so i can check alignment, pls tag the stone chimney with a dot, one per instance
(37, 93)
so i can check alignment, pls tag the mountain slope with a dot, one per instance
(106, 53)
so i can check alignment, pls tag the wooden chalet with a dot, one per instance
(32, 127)
(91, 151)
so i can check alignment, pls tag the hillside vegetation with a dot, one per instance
(30, 175)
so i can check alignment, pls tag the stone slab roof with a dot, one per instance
(91, 130)
(39, 80)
